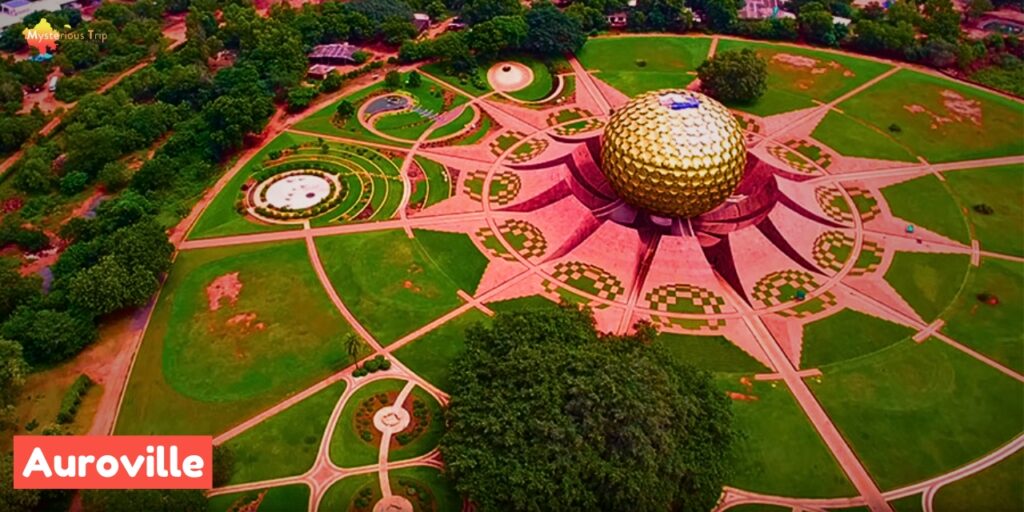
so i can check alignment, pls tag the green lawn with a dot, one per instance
(464, 83)
(542, 85)
(926, 202)
(322, 121)
(996, 331)
(928, 406)
(430, 436)
(780, 452)
(411, 125)
(435, 188)
(927, 281)
(394, 285)
(820, 76)
(478, 135)
(347, 448)
(339, 497)
(1002, 188)
(908, 504)
(220, 217)
(285, 444)
(712, 353)
(454, 126)
(996, 132)
(277, 499)
(995, 488)
(759, 507)
(530, 302)
(442, 492)
(431, 356)
(852, 137)
(673, 65)
(847, 334)
(201, 371)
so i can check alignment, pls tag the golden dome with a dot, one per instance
(674, 153)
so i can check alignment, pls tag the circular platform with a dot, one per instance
(509, 76)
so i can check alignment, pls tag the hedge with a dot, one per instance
(73, 398)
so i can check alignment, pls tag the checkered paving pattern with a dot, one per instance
(832, 202)
(782, 286)
(866, 204)
(810, 306)
(589, 278)
(684, 298)
(832, 249)
(566, 115)
(524, 237)
(505, 186)
(579, 127)
(689, 324)
(812, 152)
(792, 159)
(528, 150)
(505, 141)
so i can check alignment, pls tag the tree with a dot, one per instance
(576, 420)
(415, 79)
(148, 500)
(10, 498)
(48, 336)
(720, 15)
(551, 32)
(665, 15)
(34, 176)
(13, 370)
(734, 76)
(393, 79)
(12, 39)
(300, 97)
(977, 8)
(73, 183)
(477, 11)
(397, 30)
(816, 25)
(16, 289)
(353, 346)
(590, 19)
(345, 109)
(332, 82)
(223, 465)
(495, 36)
(941, 20)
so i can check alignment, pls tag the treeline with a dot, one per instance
(499, 27)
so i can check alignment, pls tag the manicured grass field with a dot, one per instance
(323, 120)
(530, 302)
(712, 353)
(410, 125)
(201, 371)
(445, 498)
(341, 495)
(430, 436)
(928, 282)
(479, 134)
(928, 406)
(1002, 188)
(995, 488)
(759, 507)
(996, 331)
(542, 84)
(454, 126)
(431, 356)
(780, 452)
(393, 284)
(926, 202)
(347, 448)
(847, 334)
(913, 100)
(277, 499)
(907, 504)
(220, 218)
(435, 188)
(285, 444)
(614, 60)
(796, 76)
(852, 137)
(438, 71)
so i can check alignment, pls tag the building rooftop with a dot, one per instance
(27, 8)
(342, 51)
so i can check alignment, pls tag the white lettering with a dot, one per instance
(83, 463)
(193, 466)
(175, 471)
(62, 471)
(37, 462)
(106, 466)
(132, 469)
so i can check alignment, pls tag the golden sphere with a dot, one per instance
(674, 153)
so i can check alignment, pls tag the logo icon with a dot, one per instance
(42, 37)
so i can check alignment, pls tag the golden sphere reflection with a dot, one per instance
(674, 153)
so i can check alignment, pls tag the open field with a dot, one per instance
(615, 60)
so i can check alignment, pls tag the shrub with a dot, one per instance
(30, 426)
(73, 183)
(895, 128)
(366, 435)
(641, 63)
(734, 76)
(73, 398)
(984, 209)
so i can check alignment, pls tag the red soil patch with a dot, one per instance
(252, 506)
(809, 64)
(958, 109)
(742, 397)
(227, 286)
(246, 321)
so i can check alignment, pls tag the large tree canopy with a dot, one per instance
(734, 76)
(547, 414)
